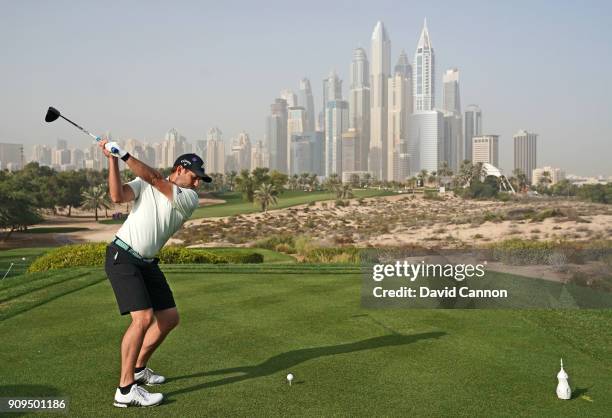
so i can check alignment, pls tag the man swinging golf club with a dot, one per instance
(160, 208)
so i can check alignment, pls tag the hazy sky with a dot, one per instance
(141, 68)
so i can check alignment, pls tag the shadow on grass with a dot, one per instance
(285, 361)
(578, 392)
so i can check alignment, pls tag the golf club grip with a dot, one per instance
(113, 150)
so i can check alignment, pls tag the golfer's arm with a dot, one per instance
(151, 176)
(119, 193)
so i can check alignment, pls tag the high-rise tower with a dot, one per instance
(380, 69)
(424, 73)
(359, 107)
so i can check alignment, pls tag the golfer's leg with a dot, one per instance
(132, 343)
(165, 321)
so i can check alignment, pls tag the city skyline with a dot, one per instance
(106, 88)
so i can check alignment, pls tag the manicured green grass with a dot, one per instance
(234, 204)
(16, 256)
(245, 327)
(112, 221)
(55, 230)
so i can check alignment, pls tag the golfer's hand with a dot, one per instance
(102, 144)
(114, 149)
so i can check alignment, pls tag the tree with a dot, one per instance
(294, 182)
(245, 183)
(332, 183)
(344, 191)
(313, 182)
(94, 199)
(276, 179)
(266, 196)
(17, 210)
(303, 181)
(521, 179)
(422, 176)
(230, 180)
(70, 184)
(545, 179)
(367, 178)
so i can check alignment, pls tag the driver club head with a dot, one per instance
(52, 114)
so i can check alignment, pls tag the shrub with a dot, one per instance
(284, 248)
(80, 255)
(182, 255)
(432, 195)
(93, 254)
(272, 241)
(333, 255)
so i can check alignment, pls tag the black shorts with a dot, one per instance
(137, 284)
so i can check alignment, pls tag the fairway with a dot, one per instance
(234, 204)
(244, 327)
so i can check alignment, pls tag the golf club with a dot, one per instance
(53, 114)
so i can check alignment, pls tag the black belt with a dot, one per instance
(125, 246)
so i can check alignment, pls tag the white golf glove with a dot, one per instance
(114, 149)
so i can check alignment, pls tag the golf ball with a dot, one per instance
(289, 377)
(23, 258)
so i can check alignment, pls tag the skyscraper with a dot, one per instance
(359, 107)
(11, 156)
(215, 151)
(276, 133)
(289, 97)
(381, 63)
(453, 148)
(42, 154)
(337, 120)
(259, 156)
(426, 132)
(307, 102)
(451, 101)
(241, 152)
(399, 110)
(296, 123)
(485, 149)
(525, 152)
(424, 73)
(473, 127)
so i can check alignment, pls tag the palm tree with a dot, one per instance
(545, 179)
(245, 183)
(422, 176)
(313, 182)
(230, 179)
(303, 181)
(521, 179)
(332, 183)
(464, 177)
(294, 182)
(266, 196)
(344, 191)
(367, 177)
(95, 198)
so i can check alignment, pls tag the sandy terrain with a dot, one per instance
(404, 219)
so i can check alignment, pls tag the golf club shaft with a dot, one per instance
(97, 138)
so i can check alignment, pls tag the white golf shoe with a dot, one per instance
(149, 378)
(137, 396)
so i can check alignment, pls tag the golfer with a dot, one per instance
(161, 205)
